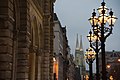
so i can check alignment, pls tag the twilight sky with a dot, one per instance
(74, 14)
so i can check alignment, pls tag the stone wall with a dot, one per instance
(26, 39)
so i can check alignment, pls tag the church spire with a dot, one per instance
(81, 46)
(77, 43)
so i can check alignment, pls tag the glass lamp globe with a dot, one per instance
(90, 53)
(111, 20)
(93, 21)
(101, 17)
(93, 37)
(90, 37)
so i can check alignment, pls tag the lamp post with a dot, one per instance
(103, 31)
(95, 44)
(90, 57)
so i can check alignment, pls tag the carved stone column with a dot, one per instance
(46, 25)
(46, 54)
(6, 39)
(23, 42)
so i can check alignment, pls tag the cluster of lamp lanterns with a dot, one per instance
(102, 26)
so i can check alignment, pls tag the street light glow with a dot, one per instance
(108, 66)
(118, 60)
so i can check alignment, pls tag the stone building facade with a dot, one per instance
(58, 48)
(66, 51)
(61, 50)
(26, 39)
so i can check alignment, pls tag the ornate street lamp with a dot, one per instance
(95, 44)
(90, 57)
(99, 23)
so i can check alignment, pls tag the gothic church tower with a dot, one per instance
(79, 57)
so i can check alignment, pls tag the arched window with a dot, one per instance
(34, 46)
(40, 36)
(34, 33)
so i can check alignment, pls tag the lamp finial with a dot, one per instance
(110, 9)
(93, 14)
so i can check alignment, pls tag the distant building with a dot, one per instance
(112, 64)
(79, 58)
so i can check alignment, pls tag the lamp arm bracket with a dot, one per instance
(96, 33)
(87, 62)
(99, 49)
(109, 33)
(100, 38)
(92, 47)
